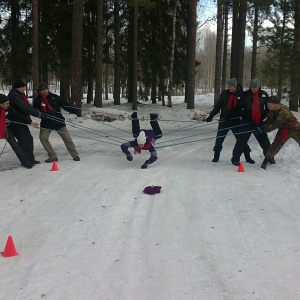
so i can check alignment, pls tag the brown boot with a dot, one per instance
(51, 159)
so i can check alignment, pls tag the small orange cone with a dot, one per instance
(10, 249)
(54, 166)
(241, 168)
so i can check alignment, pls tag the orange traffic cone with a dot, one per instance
(241, 168)
(54, 166)
(10, 249)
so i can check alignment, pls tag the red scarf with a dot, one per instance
(26, 102)
(137, 150)
(284, 132)
(45, 106)
(232, 102)
(256, 114)
(2, 124)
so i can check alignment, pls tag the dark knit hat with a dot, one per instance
(232, 82)
(42, 86)
(3, 98)
(19, 83)
(273, 99)
(254, 83)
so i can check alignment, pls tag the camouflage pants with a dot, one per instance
(294, 133)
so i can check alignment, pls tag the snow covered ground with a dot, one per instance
(88, 231)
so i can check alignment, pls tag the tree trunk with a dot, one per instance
(254, 43)
(76, 66)
(117, 68)
(218, 51)
(240, 50)
(43, 41)
(281, 52)
(99, 54)
(191, 55)
(295, 71)
(90, 90)
(225, 48)
(234, 37)
(161, 95)
(153, 83)
(65, 83)
(35, 47)
(170, 87)
(132, 56)
(15, 39)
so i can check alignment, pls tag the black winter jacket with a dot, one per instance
(245, 105)
(14, 115)
(57, 121)
(222, 104)
(17, 102)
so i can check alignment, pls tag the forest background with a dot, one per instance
(150, 49)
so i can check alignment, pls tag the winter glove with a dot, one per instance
(153, 116)
(258, 130)
(145, 165)
(209, 119)
(137, 150)
(134, 115)
(51, 112)
(129, 157)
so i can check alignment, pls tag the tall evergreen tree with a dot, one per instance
(191, 54)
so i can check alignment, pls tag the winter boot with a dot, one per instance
(216, 156)
(265, 163)
(272, 161)
(134, 115)
(235, 162)
(153, 116)
(248, 158)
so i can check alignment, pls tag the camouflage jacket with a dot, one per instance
(281, 118)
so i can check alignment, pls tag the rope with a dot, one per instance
(185, 127)
(161, 144)
(209, 138)
(228, 128)
(98, 140)
(85, 128)
(84, 137)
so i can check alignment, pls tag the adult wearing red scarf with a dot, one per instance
(51, 104)
(7, 114)
(20, 103)
(229, 119)
(253, 109)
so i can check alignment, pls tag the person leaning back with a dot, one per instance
(19, 101)
(51, 105)
(8, 115)
(279, 116)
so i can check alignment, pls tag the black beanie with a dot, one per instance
(3, 98)
(19, 83)
(42, 86)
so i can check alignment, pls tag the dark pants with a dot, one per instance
(23, 146)
(224, 127)
(154, 124)
(243, 137)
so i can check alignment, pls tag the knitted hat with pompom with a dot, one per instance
(141, 139)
